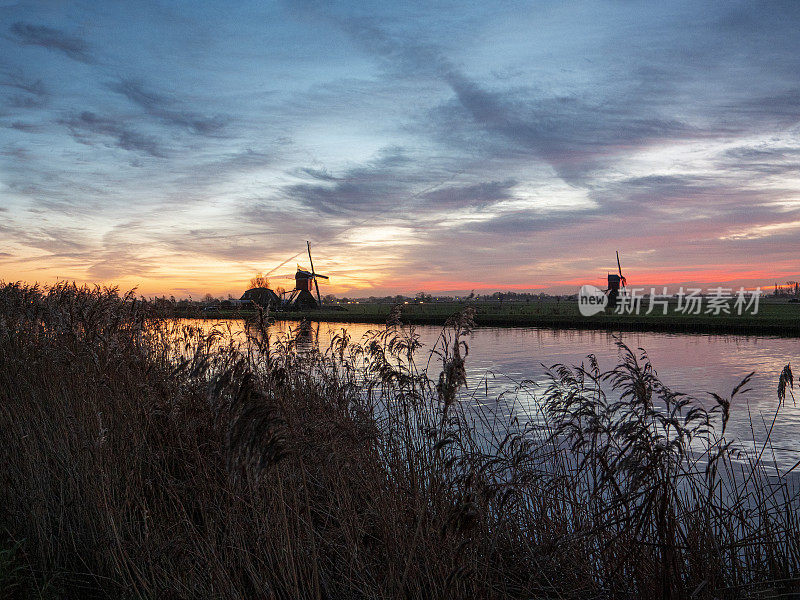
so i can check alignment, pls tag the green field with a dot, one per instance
(774, 317)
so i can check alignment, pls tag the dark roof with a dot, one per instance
(262, 296)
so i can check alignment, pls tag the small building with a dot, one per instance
(263, 297)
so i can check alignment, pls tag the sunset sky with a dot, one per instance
(439, 147)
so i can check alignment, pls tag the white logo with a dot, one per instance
(591, 300)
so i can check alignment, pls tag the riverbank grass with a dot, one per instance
(142, 458)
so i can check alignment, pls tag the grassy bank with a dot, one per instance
(773, 318)
(140, 459)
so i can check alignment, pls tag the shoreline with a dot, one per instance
(699, 324)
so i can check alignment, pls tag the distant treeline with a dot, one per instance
(395, 299)
(791, 289)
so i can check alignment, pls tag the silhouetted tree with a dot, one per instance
(259, 281)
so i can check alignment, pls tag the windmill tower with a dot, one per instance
(615, 282)
(305, 283)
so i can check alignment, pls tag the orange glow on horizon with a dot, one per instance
(221, 279)
(702, 276)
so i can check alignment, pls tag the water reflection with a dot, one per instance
(506, 367)
(306, 337)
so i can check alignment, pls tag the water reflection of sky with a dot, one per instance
(501, 358)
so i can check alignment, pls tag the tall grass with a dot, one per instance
(140, 458)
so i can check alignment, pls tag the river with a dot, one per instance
(500, 358)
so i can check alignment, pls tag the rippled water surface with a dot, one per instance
(500, 358)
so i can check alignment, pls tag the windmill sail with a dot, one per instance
(621, 276)
(313, 275)
(302, 296)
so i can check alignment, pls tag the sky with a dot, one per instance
(182, 147)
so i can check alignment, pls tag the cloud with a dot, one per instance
(467, 196)
(665, 199)
(27, 102)
(249, 243)
(114, 256)
(781, 108)
(580, 134)
(376, 186)
(86, 126)
(25, 127)
(35, 94)
(761, 160)
(205, 178)
(319, 174)
(570, 132)
(508, 155)
(58, 241)
(118, 261)
(528, 222)
(52, 39)
(237, 162)
(168, 111)
(16, 152)
(17, 81)
(400, 55)
(574, 136)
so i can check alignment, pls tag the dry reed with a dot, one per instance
(142, 458)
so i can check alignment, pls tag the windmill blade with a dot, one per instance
(621, 278)
(322, 276)
(316, 286)
(313, 275)
(284, 276)
(308, 247)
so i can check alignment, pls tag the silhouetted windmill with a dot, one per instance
(301, 296)
(614, 283)
(621, 276)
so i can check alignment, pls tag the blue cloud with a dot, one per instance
(168, 109)
(88, 127)
(483, 129)
(53, 39)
